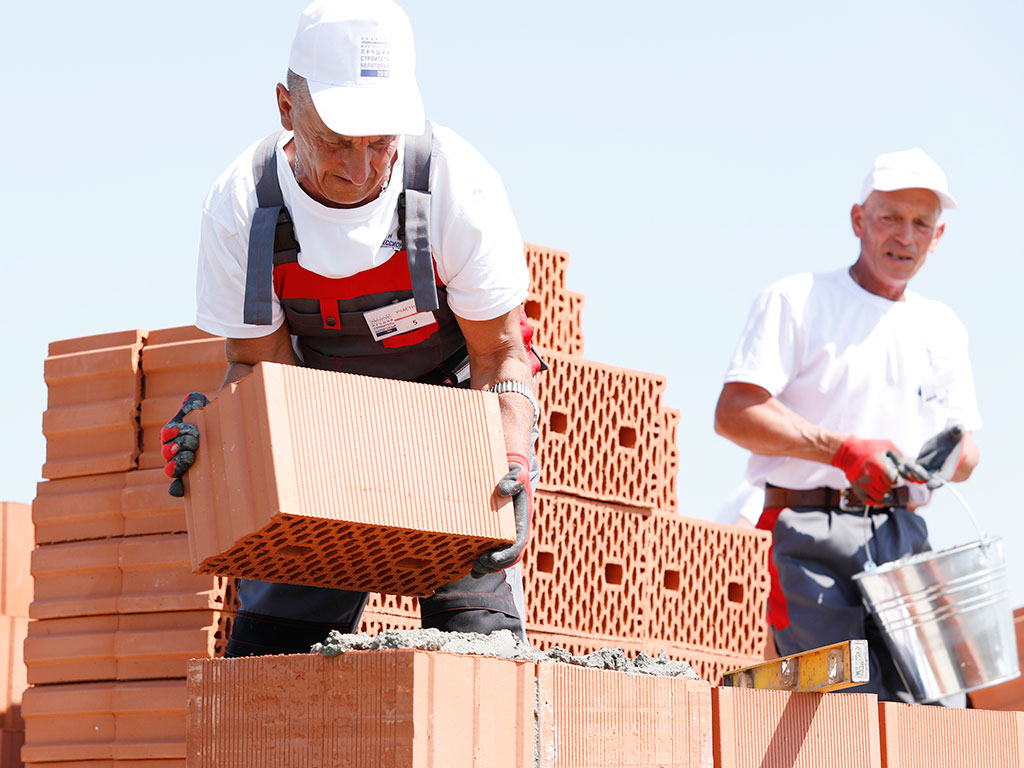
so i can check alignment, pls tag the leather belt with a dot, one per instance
(830, 498)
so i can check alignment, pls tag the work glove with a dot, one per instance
(942, 454)
(180, 441)
(869, 467)
(517, 485)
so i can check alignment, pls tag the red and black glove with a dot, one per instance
(517, 485)
(868, 467)
(180, 442)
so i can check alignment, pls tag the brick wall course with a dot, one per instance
(769, 729)
(935, 737)
(263, 503)
(142, 720)
(399, 708)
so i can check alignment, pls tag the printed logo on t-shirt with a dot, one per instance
(392, 242)
(374, 57)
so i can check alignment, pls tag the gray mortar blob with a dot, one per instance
(504, 645)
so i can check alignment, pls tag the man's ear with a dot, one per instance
(939, 232)
(857, 219)
(285, 106)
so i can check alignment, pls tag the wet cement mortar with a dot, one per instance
(505, 645)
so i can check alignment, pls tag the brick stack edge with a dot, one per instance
(15, 596)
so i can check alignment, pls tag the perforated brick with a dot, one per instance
(313, 477)
(141, 574)
(397, 708)
(142, 720)
(554, 312)
(91, 420)
(595, 718)
(110, 764)
(602, 433)
(937, 737)
(123, 647)
(16, 543)
(78, 508)
(175, 361)
(708, 585)
(584, 571)
(13, 680)
(1008, 695)
(755, 728)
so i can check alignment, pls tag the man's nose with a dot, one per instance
(358, 167)
(905, 234)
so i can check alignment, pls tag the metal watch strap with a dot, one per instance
(511, 385)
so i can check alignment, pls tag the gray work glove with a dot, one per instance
(180, 442)
(517, 485)
(942, 454)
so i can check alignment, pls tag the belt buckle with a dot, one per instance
(849, 503)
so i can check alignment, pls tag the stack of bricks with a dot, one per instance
(611, 563)
(15, 596)
(116, 611)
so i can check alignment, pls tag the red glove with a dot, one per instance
(517, 485)
(180, 442)
(870, 471)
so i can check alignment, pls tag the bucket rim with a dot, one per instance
(922, 557)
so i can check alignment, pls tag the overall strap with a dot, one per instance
(259, 278)
(414, 219)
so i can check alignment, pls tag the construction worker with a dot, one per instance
(837, 378)
(363, 239)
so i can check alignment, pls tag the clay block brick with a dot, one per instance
(384, 612)
(91, 420)
(110, 764)
(594, 718)
(16, 543)
(125, 647)
(554, 312)
(1008, 695)
(175, 361)
(936, 737)
(13, 680)
(142, 720)
(10, 748)
(102, 506)
(709, 585)
(755, 728)
(602, 433)
(583, 571)
(141, 574)
(315, 477)
(99, 341)
(397, 708)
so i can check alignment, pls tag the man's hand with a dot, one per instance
(867, 466)
(517, 485)
(943, 454)
(180, 441)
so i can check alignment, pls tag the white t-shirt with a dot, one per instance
(473, 234)
(851, 361)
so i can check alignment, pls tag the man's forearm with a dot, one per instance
(517, 414)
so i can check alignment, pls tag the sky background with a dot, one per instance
(684, 154)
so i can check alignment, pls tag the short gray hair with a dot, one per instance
(299, 90)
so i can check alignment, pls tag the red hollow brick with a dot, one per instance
(81, 344)
(398, 708)
(141, 574)
(142, 720)
(16, 543)
(755, 728)
(937, 737)
(122, 647)
(13, 680)
(315, 477)
(554, 312)
(602, 433)
(594, 718)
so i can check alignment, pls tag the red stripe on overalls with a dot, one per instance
(293, 281)
(778, 611)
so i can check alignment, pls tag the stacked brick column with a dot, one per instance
(15, 596)
(116, 612)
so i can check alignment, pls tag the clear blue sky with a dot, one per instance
(685, 155)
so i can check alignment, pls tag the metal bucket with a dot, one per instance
(946, 618)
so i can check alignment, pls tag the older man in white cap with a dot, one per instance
(838, 377)
(366, 240)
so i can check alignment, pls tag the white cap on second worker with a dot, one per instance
(907, 169)
(359, 59)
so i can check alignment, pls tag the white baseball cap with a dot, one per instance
(907, 169)
(359, 59)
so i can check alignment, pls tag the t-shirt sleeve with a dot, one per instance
(220, 278)
(478, 246)
(766, 354)
(963, 400)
